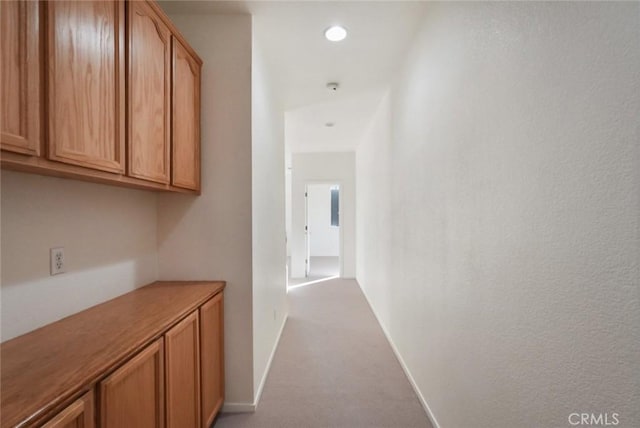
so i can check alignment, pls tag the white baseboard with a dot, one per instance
(268, 368)
(413, 383)
(251, 407)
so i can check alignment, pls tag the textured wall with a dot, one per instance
(506, 271)
(109, 239)
(209, 236)
(268, 190)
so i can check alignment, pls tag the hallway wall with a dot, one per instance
(210, 236)
(109, 239)
(268, 215)
(497, 212)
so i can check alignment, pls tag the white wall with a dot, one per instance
(337, 168)
(209, 237)
(374, 269)
(506, 269)
(116, 239)
(325, 238)
(268, 206)
(109, 239)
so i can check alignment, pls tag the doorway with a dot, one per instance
(323, 235)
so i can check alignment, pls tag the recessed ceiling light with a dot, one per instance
(335, 33)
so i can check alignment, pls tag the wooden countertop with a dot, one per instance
(43, 370)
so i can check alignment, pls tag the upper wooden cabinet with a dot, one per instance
(185, 136)
(149, 96)
(86, 83)
(21, 76)
(102, 90)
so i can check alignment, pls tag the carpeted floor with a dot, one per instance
(333, 368)
(321, 268)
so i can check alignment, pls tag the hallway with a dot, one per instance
(333, 368)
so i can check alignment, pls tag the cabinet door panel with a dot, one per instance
(20, 83)
(185, 119)
(183, 373)
(86, 83)
(77, 415)
(133, 396)
(212, 357)
(149, 60)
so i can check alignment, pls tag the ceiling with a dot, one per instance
(291, 36)
(306, 127)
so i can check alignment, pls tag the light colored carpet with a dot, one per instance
(321, 268)
(333, 368)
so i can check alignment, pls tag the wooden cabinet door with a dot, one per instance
(133, 396)
(149, 67)
(183, 373)
(185, 138)
(86, 83)
(212, 358)
(20, 81)
(77, 415)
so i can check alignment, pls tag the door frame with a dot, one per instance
(338, 183)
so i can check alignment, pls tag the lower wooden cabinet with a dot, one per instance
(177, 382)
(79, 414)
(147, 359)
(133, 396)
(212, 358)
(182, 350)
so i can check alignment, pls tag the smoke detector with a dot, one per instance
(333, 86)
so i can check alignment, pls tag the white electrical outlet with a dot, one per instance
(57, 260)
